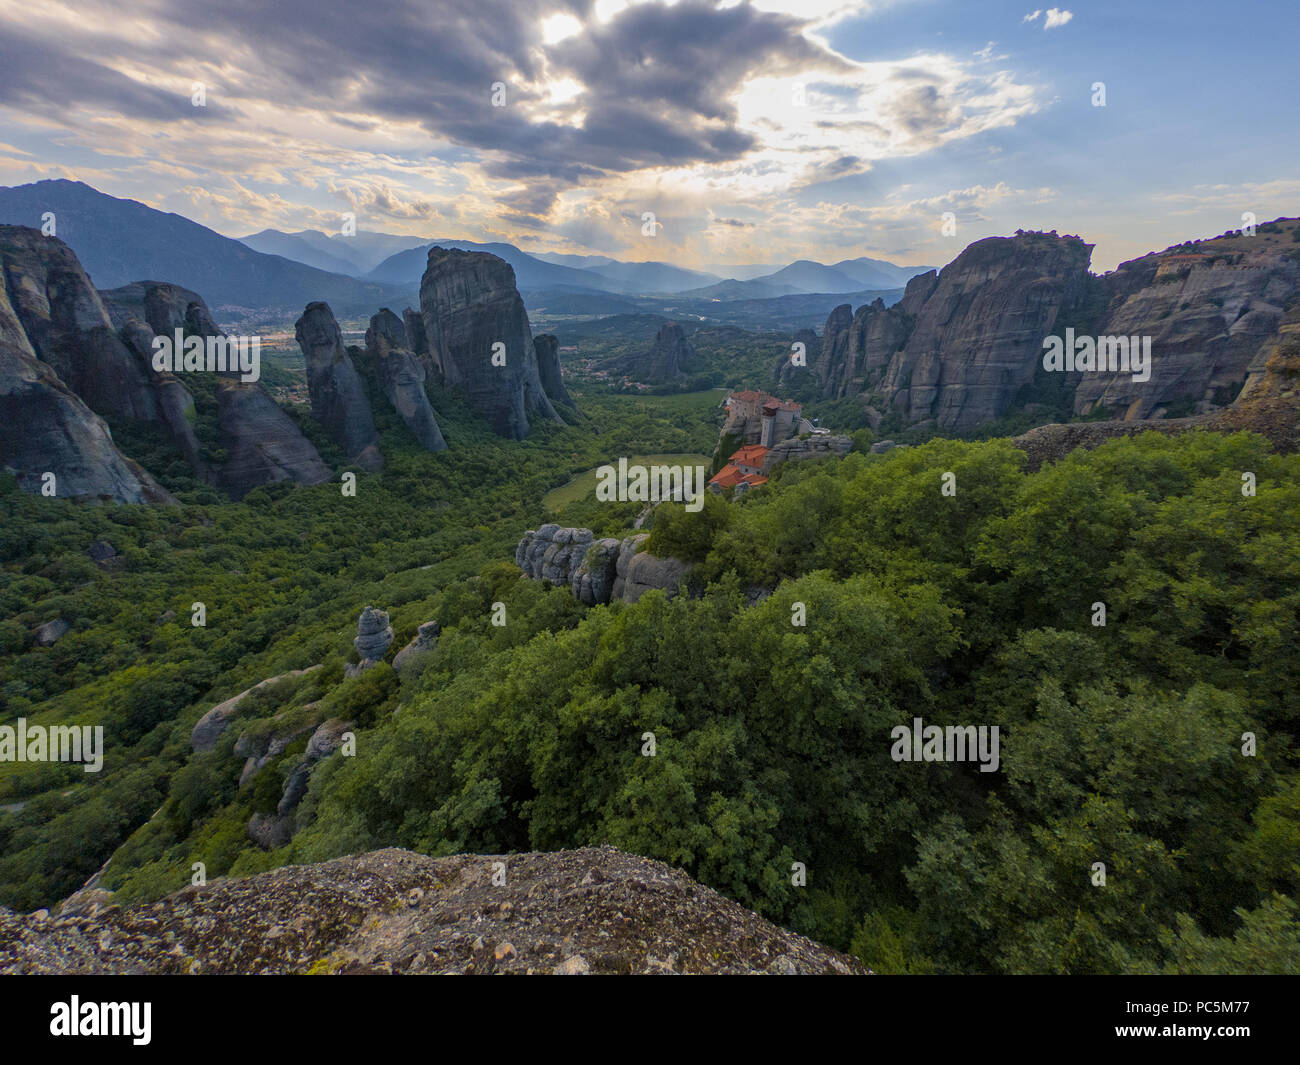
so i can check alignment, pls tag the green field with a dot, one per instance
(584, 485)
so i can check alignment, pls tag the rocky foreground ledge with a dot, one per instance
(595, 910)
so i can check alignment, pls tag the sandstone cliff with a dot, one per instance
(960, 346)
(965, 346)
(338, 398)
(51, 318)
(263, 444)
(666, 360)
(548, 368)
(472, 313)
(1212, 309)
(402, 375)
(595, 910)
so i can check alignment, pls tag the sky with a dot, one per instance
(753, 131)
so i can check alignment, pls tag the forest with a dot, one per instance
(1157, 746)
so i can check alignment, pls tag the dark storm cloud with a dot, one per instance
(49, 77)
(656, 80)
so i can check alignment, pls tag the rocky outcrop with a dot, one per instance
(424, 641)
(401, 375)
(592, 910)
(957, 350)
(552, 553)
(204, 735)
(1212, 312)
(548, 368)
(786, 373)
(146, 309)
(46, 428)
(596, 571)
(68, 329)
(966, 346)
(263, 445)
(51, 632)
(374, 635)
(639, 571)
(472, 312)
(163, 307)
(51, 319)
(338, 397)
(808, 447)
(592, 580)
(1269, 405)
(666, 360)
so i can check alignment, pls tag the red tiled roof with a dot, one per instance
(729, 477)
(750, 396)
(749, 455)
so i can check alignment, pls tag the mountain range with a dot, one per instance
(121, 241)
(268, 276)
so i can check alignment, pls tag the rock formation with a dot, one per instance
(665, 361)
(424, 640)
(1269, 405)
(52, 323)
(338, 397)
(548, 368)
(204, 735)
(596, 571)
(374, 634)
(263, 445)
(960, 346)
(1212, 314)
(639, 572)
(68, 328)
(401, 375)
(472, 313)
(593, 910)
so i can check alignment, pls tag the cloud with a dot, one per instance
(1055, 17)
(611, 108)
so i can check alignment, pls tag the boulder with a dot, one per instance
(425, 640)
(204, 735)
(51, 632)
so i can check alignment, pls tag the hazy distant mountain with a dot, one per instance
(806, 277)
(407, 267)
(878, 273)
(534, 272)
(355, 255)
(743, 290)
(742, 272)
(301, 249)
(120, 241)
(654, 277)
(581, 262)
